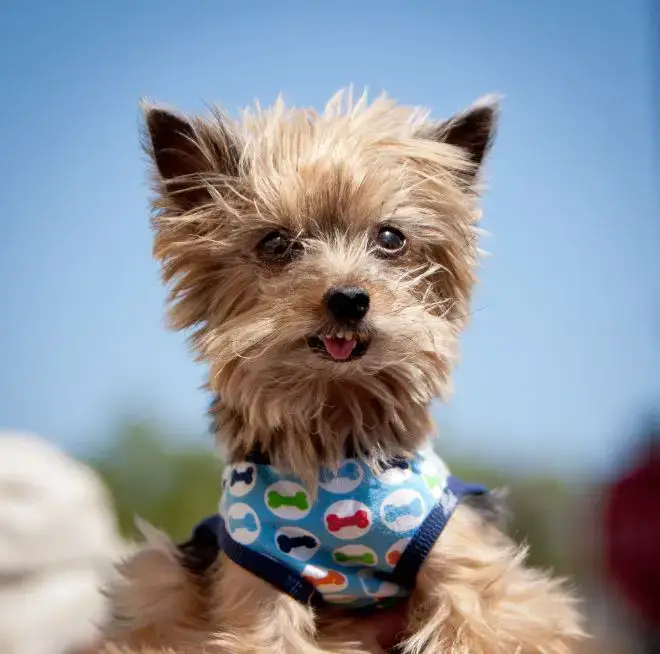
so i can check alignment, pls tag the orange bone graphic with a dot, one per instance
(331, 578)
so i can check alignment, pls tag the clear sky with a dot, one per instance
(563, 352)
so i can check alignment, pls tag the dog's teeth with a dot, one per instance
(340, 334)
(348, 336)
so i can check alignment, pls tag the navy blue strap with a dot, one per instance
(257, 457)
(412, 558)
(201, 550)
(461, 488)
(268, 569)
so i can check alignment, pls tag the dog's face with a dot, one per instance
(325, 261)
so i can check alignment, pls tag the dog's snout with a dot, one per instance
(347, 303)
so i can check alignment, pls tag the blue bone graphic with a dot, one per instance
(372, 584)
(414, 508)
(349, 470)
(246, 522)
(246, 476)
(288, 543)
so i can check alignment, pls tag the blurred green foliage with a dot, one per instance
(174, 486)
(171, 486)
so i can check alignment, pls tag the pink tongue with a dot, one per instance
(339, 348)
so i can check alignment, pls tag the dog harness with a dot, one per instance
(357, 541)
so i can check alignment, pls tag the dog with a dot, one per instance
(323, 263)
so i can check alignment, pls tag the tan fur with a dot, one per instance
(329, 181)
(475, 596)
(332, 178)
(157, 603)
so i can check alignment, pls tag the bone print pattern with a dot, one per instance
(246, 476)
(275, 500)
(369, 559)
(347, 536)
(246, 522)
(393, 513)
(343, 479)
(355, 555)
(288, 543)
(349, 470)
(359, 519)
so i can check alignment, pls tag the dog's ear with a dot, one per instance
(189, 155)
(472, 131)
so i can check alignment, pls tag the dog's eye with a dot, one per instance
(277, 246)
(390, 239)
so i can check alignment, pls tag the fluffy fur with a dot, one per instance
(329, 182)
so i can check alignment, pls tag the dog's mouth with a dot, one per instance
(340, 346)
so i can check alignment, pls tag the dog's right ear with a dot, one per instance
(189, 155)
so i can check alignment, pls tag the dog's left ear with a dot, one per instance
(472, 130)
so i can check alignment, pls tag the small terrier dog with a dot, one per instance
(324, 263)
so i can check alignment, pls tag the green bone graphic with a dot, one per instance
(431, 481)
(299, 500)
(367, 558)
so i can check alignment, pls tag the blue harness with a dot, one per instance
(357, 541)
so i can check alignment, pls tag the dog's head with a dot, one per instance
(323, 261)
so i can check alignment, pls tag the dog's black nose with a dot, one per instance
(347, 303)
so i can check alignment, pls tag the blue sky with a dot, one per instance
(563, 352)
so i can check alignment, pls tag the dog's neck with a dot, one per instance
(374, 429)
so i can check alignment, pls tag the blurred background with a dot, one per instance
(558, 391)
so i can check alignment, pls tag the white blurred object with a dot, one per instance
(58, 546)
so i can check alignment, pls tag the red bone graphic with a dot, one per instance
(358, 519)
